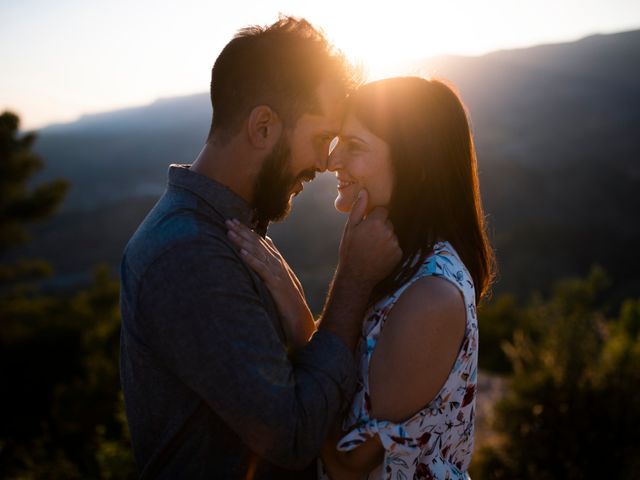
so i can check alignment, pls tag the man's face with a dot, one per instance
(297, 156)
(272, 188)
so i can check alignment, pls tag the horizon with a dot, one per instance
(129, 47)
(402, 69)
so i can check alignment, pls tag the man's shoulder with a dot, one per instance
(174, 232)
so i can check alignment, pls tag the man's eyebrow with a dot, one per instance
(329, 133)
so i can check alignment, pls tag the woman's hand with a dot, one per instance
(264, 258)
(355, 464)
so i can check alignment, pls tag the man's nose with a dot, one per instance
(334, 161)
(321, 163)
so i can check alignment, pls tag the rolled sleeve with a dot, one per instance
(205, 320)
(327, 354)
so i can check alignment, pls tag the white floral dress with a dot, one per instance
(436, 442)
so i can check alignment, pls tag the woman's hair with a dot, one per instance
(436, 193)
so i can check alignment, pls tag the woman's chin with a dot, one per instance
(342, 204)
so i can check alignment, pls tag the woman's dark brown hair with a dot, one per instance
(436, 192)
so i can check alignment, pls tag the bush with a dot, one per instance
(573, 404)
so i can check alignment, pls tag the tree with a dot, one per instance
(20, 205)
(61, 414)
(573, 403)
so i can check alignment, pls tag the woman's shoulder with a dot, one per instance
(442, 262)
(445, 262)
(427, 293)
(425, 328)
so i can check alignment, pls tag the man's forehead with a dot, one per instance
(331, 99)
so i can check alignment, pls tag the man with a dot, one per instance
(210, 389)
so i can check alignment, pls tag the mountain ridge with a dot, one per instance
(555, 126)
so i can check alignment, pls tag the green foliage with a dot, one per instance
(571, 410)
(61, 415)
(573, 404)
(64, 415)
(18, 203)
(498, 321)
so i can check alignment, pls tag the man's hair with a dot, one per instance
(279, 65)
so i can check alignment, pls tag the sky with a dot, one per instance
(61, 59)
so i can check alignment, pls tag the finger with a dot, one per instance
(284, 263)
(272, 247)
(268, 246)
(257, 265)
(249, 236)
(358, 208)
(296, 282)
(379, 213)
(248, 245)
(293, 276)
(242, 230)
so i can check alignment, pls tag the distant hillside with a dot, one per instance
(115, 155)
(556, 127)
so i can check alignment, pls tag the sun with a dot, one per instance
(383, 52)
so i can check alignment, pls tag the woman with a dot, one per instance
(406, 142)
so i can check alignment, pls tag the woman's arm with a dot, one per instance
(409, 365)
(264, 258)
(416, 349)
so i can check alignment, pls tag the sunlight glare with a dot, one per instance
(387, 41)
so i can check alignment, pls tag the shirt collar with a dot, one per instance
(219, 197)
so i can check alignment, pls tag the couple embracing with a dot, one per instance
(226, 373)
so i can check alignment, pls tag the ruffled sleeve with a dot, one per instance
(404, 450)
(392, 436)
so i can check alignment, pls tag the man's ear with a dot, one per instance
(263, 127)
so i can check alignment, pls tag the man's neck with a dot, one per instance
(229, 166)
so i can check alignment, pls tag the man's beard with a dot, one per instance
(274, 184)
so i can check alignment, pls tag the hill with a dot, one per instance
(556, 128)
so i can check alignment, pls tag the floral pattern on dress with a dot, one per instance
(436, 442)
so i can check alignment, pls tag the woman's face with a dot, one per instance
(361, 161)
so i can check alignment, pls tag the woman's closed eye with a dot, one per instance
(354, 147)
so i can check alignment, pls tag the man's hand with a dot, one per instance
(368, 253)
(369, 249)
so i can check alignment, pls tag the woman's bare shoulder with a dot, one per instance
(417, 348)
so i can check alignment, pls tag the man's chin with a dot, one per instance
(279, 214)
(282, 216)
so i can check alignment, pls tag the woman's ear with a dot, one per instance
(263, 127)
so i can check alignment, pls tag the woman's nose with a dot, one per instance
(335, 159)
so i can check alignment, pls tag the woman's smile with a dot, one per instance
(344, 183)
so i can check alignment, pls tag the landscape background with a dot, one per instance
(557, 131)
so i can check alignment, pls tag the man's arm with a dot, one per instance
(368, 252)
(204, 319)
